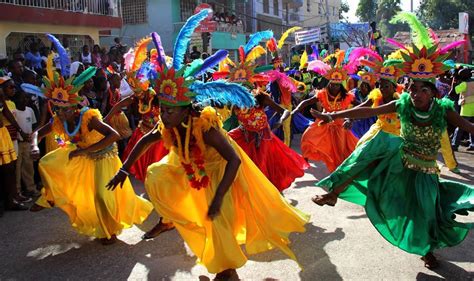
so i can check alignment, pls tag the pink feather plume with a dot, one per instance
(396, 43)
(318, 66)
(450, 46)
(281, 78)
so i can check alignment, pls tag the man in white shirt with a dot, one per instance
(25, 118)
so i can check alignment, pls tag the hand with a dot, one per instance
(35, 154)
(119, 178)
(215, 208)
(347, 124)
(25, 136)
(276, 125)
(326, 118)
(75, 153)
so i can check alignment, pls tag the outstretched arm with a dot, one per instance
(117, 107)
(304, 104)
(138, 150)
(456, 120)
(215, 139)
(285, 114)
(357, 112)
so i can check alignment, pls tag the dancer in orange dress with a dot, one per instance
(330, 143)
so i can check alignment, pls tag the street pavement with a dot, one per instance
(339, 243)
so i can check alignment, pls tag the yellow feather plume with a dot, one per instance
(256, 52)
(224, 64)
(49, 67)
(303, 60)
(140, 53)
(340, 57)
(285, 35)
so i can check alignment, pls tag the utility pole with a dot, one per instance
(328, 27)
(411, 6)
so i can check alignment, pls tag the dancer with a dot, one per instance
(74, 175)
(397, 179)
(365, 85)
(330, 143)
(207, 186)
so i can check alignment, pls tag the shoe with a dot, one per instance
(31, 193)
(455, 170)
(471, 148)
(23, 199)
(17, 206)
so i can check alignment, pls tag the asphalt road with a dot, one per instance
(340, 243)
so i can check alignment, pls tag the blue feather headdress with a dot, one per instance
(176, 84)
(64, 60)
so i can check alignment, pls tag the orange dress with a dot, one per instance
(330, 142)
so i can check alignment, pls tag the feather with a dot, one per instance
(263, 68)
(184, 37)
(389, 62)
(340, 57)
(140, 53)
(315, 53)
(420, 35)
(63, 56)
(348, 52)
(193, 68)
(323, 53)
(85, 75)
(358, 53)
(212, 61)
(255, 53)
(128, 59)
(450, 46)
(303, 60)
(318, 67)
(433, 36)
(160, 52)
(241, 55)
(32, 89)
(282, 79)
(256, 38)
(222, 93)
(224, 64)
(49, 67)
(367, 63)
(396, 43)
(285, 35)
(272, 45)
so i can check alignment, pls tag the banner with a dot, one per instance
(307, 36)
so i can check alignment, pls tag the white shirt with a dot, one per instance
(25, 119)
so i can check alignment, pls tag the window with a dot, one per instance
(266, 6)
(276, 11)
(134, 11)
(320, 8)
(187, 8)
(308, 6)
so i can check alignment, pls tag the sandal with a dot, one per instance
(157, 230)
(430, 261)
(329, 199)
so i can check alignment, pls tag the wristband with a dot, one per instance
(124, 171)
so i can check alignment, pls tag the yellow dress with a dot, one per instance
(77, 186)
(7, 150)
(388, 123)
(253, 212)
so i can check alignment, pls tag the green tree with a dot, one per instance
(344, 9)
(443, 14)
(366, 10)
(386, 9)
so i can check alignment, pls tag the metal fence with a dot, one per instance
(95, 7)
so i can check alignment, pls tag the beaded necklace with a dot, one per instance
(78, 126)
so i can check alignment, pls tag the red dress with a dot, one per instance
(278, 162)
(154, 153)
(330, 143)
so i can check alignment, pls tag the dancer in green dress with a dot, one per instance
(397, 179)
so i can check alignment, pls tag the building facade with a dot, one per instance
(75, 23)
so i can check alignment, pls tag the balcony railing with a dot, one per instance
(95, 7)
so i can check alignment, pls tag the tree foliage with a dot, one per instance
(344, 9)
(444, 14)
(366, 10)
(386, 9)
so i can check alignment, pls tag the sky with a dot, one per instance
(405, 5)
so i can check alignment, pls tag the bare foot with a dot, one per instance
(430, 261)
(228, 274)
(326, 199)
(158, 229)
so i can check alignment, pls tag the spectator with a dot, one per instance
(25, 118)
(195, 54)
(3, 65)
(88, 93)
(86, 56)
(33, 57)
(465, 90)
(96, 56)
(76, 68)
(16, 72)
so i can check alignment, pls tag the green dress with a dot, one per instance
(397, 180)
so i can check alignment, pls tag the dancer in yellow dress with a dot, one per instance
(75, 175)
(207, 186)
